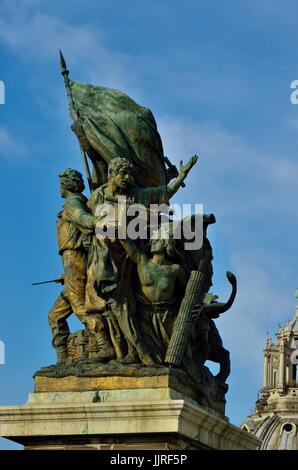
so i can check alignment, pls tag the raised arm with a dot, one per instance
(132, 250)
(173, 187)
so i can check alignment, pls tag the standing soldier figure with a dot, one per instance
(75, 223)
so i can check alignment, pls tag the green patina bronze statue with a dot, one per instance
(144, 301)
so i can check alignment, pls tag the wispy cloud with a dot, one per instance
(229, 165)
(38, 36)
(10, 148)
(259, 306)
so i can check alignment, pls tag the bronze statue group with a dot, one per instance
(129, 294)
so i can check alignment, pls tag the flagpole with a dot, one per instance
(74, 114)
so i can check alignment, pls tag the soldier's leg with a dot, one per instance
(75, 278)
(132, 335)
(96, 324)
(58, 315)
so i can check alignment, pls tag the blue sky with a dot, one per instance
(217, 77)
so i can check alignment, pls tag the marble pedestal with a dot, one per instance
(117, 413)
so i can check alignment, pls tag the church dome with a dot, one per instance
(276, 432)
(275, 421)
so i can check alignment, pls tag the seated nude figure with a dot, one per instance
(161, 287)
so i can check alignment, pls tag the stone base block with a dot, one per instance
(133, 419)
